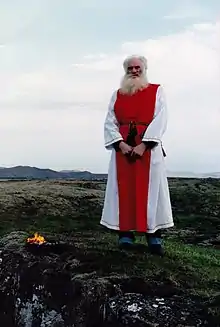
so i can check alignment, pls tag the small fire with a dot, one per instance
(37, 239)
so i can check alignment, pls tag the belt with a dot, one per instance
(133, 131)
(133, 123)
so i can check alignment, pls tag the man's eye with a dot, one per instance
(136, 67)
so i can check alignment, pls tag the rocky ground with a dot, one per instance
(80, 278)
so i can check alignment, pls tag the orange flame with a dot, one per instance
(37, 239)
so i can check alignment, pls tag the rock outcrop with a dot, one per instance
(61, 285)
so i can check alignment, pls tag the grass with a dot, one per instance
(191, 268)
(203, 264)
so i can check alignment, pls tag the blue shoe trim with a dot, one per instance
(125, 240)
(154, 240)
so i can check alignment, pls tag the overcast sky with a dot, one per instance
(60, 61)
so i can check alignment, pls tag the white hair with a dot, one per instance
(130, 85)
(142, 59)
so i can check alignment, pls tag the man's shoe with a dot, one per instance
(126, 240)
(155, 244)
(125, 243)
(156, 249)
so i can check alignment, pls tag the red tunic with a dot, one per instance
(133, 178)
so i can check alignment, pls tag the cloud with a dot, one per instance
(16, 18)
(57, 113)
(188, 65)
(188, 10)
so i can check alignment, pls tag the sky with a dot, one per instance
(60, 61)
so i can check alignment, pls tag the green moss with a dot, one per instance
(63, 209)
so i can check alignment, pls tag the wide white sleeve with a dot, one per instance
(158, 126)
(111, 126)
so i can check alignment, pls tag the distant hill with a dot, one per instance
(185, 174)
(27, 172)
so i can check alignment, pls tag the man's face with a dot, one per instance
(134, 68)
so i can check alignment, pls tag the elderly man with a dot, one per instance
(137, 195)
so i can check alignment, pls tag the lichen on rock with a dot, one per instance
(55, 290)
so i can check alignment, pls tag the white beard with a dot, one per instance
(131, 85)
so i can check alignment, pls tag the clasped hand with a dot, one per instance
(137, 150)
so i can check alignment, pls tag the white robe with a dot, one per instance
(159, 211)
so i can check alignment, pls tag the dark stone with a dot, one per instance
(137, 310)
(49, 247)
(64, 288)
